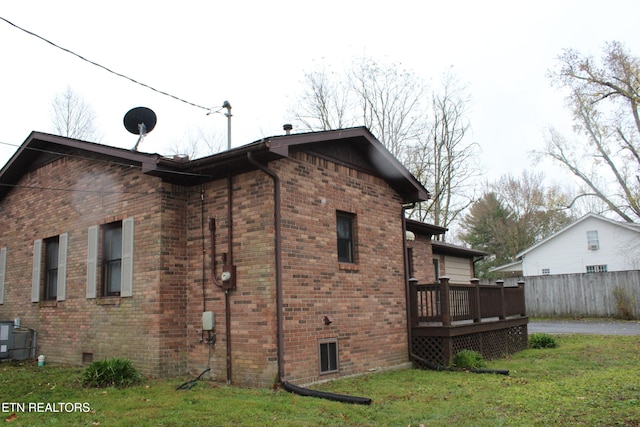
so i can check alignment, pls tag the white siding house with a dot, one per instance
(592, 244)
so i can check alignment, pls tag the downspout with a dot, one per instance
(278, 260)
(406, 276)
(227, 307)
(278, 231)
(228, 259)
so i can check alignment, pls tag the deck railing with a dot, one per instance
(444, 302)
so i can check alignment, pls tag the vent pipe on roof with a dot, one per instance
(287, 128)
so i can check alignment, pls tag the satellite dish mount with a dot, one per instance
(140, 121)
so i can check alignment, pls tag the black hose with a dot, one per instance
(325, 395)
(189, 384)
(490, 371)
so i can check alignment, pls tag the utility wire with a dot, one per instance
(209, 110)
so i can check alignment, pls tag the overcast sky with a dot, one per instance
(254, 54)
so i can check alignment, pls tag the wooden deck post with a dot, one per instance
(503, 302)
(445, 314)
(521, 295)
(477, 317)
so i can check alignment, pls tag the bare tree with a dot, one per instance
(604, 98)
(444, 159)
(72, 117)
(389, 101)
(324, 104)
(383, 97)
(424, 130)
(199, 142)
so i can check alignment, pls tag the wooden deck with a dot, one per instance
(447, 318)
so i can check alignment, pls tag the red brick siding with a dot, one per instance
(159, 328)
(252, 304)
(42, 206)
(423, 259)
(366, 300)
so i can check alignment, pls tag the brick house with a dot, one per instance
(278, 260)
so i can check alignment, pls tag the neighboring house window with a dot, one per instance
(436, 268)
(328, 356)
(546, 271)
(52, 248)
(346, 242)
(410, 262)
(54, 269)
(593, 243)
(597, 268)
(112, 268)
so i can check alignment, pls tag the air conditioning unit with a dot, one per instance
(593, 246)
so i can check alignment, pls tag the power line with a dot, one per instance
(209, 110)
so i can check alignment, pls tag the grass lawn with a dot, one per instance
(587, 380)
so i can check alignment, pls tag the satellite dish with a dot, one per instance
(140, 121)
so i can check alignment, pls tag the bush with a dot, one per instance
(541, 341)
(111, 373)
(625, 303)
(467, 359)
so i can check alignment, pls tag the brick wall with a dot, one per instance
(366, 300)
(252, 304)
(70, 195)
(423, 259)
(159, 327)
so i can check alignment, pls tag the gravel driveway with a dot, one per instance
(603, 327)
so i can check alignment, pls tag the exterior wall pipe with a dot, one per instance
(406, 275)
(212, 229)
(278, 260)
(229, 259)
(278, 243)
(227, 304)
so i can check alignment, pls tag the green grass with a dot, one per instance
(586, 380)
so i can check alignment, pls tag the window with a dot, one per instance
(345, 222)
(112, 268)
(49, 276)
(112, 259)
(328, 356)
(546, 271)
(593, 243)
(597, 268)
(52, 249)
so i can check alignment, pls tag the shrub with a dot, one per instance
(111, 373)
(625, 303)
(541, 341)
(467, 359)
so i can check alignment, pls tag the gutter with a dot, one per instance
(278, 250)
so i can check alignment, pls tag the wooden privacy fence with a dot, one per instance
(582, 294)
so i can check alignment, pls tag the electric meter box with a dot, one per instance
(208, 321)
